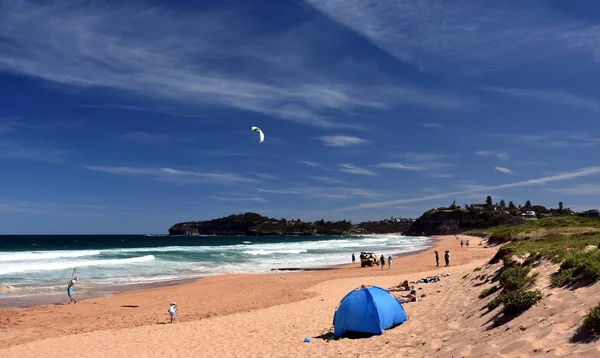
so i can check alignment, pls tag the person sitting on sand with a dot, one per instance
(70, 289)
(404, 286)
(172, 311)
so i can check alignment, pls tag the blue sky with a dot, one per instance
(120, 117)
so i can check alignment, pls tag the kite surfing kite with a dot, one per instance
(260, 133)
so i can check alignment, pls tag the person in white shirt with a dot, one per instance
(70, 289)
(172, 311)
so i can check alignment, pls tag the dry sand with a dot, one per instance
(269, 316)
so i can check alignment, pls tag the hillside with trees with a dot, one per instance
(455, 219)
(253, 224)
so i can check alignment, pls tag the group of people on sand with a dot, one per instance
(381, 259)
(446, 258)
(172, 307)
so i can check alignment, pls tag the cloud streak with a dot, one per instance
(503, 170)
(491, 153)
(589, 171)
(174, 175)
(560, 97)
(342, 140)
(473, 38)
(190, 56)
(353, 169)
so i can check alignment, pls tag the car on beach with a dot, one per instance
(368, 259)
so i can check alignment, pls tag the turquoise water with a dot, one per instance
(37, 265)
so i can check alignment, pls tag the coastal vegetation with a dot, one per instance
(571, 242)
(592, 320)
(253, 224)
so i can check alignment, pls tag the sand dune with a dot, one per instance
(448, 323)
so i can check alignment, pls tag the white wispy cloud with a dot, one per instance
(491, 153)
(555, 139)
(278, 191)
(581, 189)
(342, 140)
(353, 169)
(221, 198)
(475, 38)
(555, 97)
(309, 163)
(327, 179)
(503, 170)
(589, 171)
(339, 192)
(199, 57)
(427, 163)
(175, 175)
(400, 166)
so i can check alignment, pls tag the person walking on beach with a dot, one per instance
(437, 259)
(447, 258)
(390, 262)
(461, 243)
(353, 258)
(172, 311)
(70, 289)
(382, 259)
(467, 243)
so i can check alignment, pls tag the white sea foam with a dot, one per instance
(65, 264)
(45, 255)
(36, 271)
(267, 252)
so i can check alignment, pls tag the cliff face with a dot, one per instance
(447, 222)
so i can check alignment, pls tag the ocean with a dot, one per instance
(42, 264)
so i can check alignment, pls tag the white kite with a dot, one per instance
(260, 133)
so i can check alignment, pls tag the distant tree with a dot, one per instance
(488, 201)
(560, 206)
(528, 204)
(453, 206)
(511, 205)
(502, 204)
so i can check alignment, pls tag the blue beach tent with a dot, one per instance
(367, 310)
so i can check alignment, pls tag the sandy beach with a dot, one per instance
(269, 315)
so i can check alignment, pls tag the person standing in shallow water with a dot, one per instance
(353, 258)
(447, 257)
(437, 259)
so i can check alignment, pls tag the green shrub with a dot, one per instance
(515, 278)
(519, 301)
(592, 320)
(493, 304)
(533, 259)
(579, 266)
(488, 291)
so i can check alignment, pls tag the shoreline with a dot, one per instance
(209, 297)
(53, 299)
